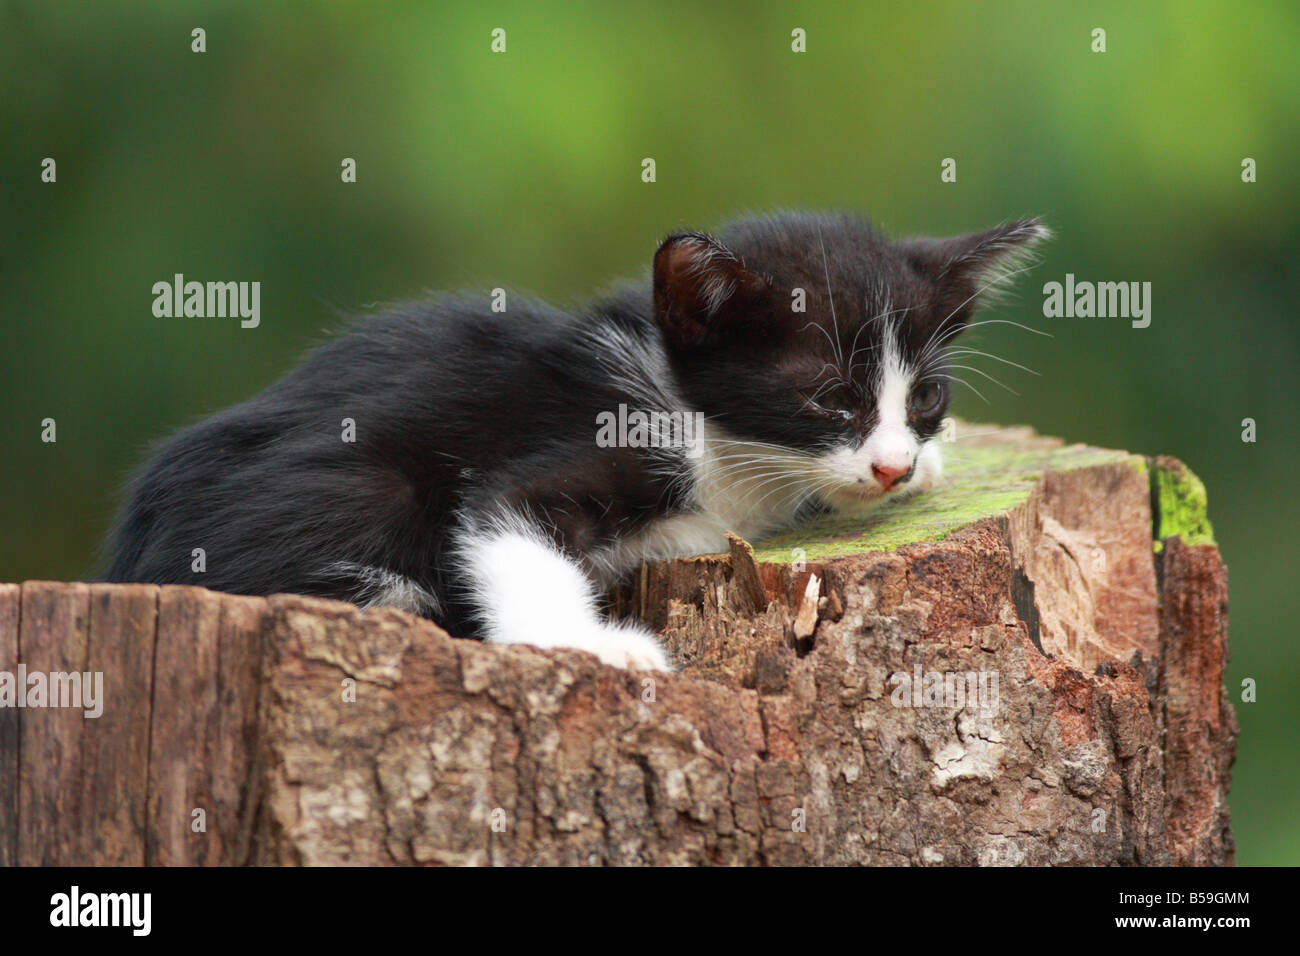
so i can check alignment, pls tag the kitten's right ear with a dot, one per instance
(700, 286)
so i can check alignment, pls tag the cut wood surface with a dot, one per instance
(1024, 666)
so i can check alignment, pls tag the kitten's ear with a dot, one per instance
(700, 286)
(970, 269)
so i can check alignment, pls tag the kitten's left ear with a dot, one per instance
(968, 269)
(700, 287)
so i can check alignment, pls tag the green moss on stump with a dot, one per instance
(1181, 505)
(982, 482)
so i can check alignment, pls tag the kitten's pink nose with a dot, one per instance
(887, 475)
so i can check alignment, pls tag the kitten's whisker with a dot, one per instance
(996, 280)
(999, 279)
(866, 348)
(974, 325)
(983, 434)
(996, 358)
(853, 349)
(747, 442)
(954, 378)
(754, 483)
(797, 480)
(839, 357)
(1018, 325)
(750, 471)
(886, 314)
(749, 457)
(833, 368)
(835, 351)
(776, 466)
(812, 399)
(776, 452)
(971, 368)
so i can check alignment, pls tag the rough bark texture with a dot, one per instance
(1093, 728)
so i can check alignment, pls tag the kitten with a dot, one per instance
(801, 358)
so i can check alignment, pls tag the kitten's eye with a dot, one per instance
(926, 397)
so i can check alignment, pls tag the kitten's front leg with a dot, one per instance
(526, 591)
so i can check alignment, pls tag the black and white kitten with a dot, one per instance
(802, 358)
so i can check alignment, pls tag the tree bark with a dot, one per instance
(1072, 596)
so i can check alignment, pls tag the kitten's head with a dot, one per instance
(816, 335)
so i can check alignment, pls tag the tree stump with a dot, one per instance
(1024, 666)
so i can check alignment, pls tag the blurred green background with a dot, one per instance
(523, 170)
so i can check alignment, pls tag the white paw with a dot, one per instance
(619, 645)
(626, 646)
(531, 594)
